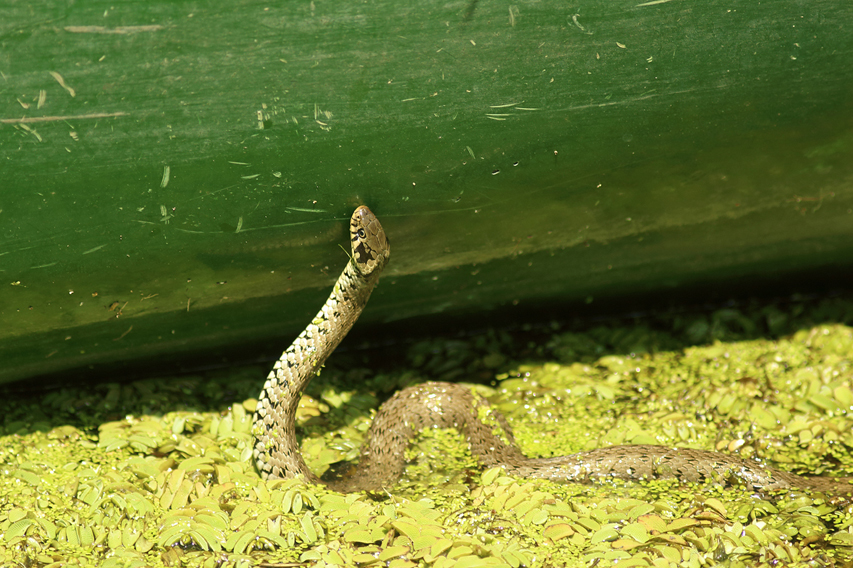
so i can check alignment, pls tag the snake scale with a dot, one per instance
(448, 405)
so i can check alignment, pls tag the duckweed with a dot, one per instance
(159, 472)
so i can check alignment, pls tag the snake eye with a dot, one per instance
(361, 234)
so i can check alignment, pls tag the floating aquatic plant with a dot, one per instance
(159, 472)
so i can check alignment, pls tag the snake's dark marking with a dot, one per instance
(448, 405)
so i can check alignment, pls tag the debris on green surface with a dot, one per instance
(159, 473)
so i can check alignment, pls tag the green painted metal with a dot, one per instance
(177, 176)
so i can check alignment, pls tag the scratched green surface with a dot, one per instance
(516, 153)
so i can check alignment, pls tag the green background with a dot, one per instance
(530, 153)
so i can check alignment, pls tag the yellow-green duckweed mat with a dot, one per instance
(158, 472)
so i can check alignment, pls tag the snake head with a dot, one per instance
(370, 247)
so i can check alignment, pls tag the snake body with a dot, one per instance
(448, 405)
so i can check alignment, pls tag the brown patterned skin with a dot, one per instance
(448, 405)
(276, 448)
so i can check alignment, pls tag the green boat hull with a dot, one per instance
(176, 179)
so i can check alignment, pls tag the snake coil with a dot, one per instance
(448, 405)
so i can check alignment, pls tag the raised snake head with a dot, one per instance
(370, 247)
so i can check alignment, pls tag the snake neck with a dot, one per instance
(277, 404)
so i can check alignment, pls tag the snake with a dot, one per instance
(449, 405)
